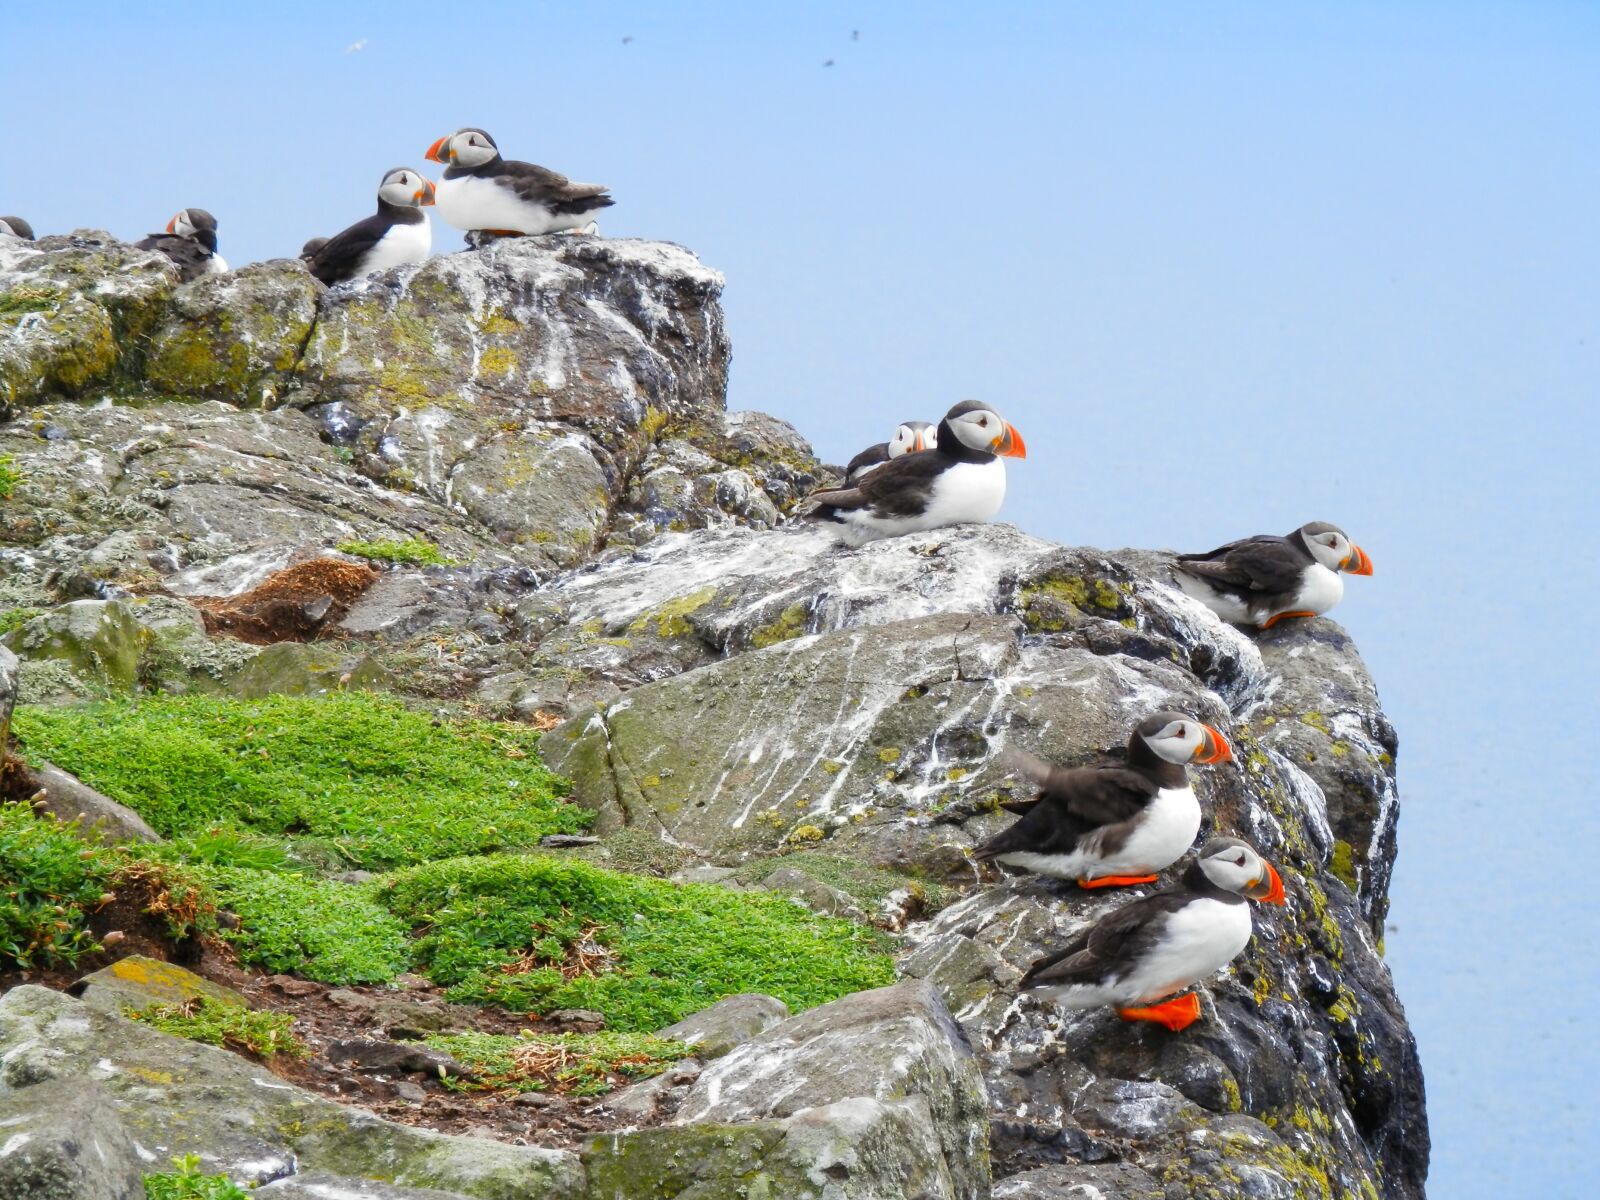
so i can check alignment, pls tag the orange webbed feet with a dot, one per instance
(1176, 1014)
(1284, 616)
(1116, 881)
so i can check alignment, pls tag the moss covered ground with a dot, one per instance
(577, 1064)
(267, 802)
(216, 1023)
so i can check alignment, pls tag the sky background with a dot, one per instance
(1229, 268)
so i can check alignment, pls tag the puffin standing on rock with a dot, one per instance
(191, 242)
(1111, 824)
(911, 438)
(482, 192)
(1141, 955)
(1265, 579)
(396, 235)
(961, 479)
(16, 227)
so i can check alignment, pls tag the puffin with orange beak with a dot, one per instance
(1143, 955)
(484, 193)
(962, 478)
(1265, 579)
(190, 242)
(1111, 824)
(397, 235)
(911, 437)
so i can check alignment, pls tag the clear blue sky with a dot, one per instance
(1229, 267)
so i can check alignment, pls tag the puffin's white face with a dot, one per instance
(405, 187)
(182, 225)
(1235, 867)
(982, 429)
(1330, 547)
(911, 437)
(464, 148)
(1187, 740)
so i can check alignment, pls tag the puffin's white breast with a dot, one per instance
(216, 265)
(1196, 942)
(967, 492)
(473, 202)
(1320, 589)
(402, 245)
(1162, 833)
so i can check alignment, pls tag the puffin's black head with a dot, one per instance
(1332, 547)
(16, 227)
(309, 250)
(976, 426)
(405, 187)
(466, 147)
(196, 224)
(1233, 865)
(1181, 739)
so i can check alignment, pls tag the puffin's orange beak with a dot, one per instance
(1214, 747)
(434, 153)
(425, 196)
(1358, 562)
(1268, 890)
(921, 443)
(171, 223)
(1010, 444)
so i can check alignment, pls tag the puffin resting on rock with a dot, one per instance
(1142, 955)
(1265, 579)
(912, 437)
(482, 192)
(963, 478)
(1111, 824)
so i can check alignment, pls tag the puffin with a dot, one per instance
(911, 437)
(1111, 824)
(480, 191)
(1265, 579)
(16, 227)
(1142, 955)
(961, 479)
(309, 250)
(191, 242)
(397, 234)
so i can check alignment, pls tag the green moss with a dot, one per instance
(16, 618)
(497, 360)
(538, 932)
(234, 1026)
(49, 884)
(332, 932)
(653, 423)
(1235, 1097)
(10, 477)
(187, 1183)
(806, 833)
(671, 618)
(578, 1064)
(19, 302)
(889, 754)
(411, 552)
(791, 623)
(1316, 721)
(1343, 866)
(1041, 603)
(382, 784)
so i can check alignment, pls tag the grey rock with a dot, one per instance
(68, 798)
(179, 1097)
(1078, 1181)
(98, 643)
(368, 1055)
(137, 981)
(323, 1186)
(886, 1064)
(63, 1140)
(10, 671)
(573, 1020)
(644, 1101)
(730, 1022)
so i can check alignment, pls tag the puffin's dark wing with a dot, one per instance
(550, 189)
(1058, 967)
(1103, 795)
(1119, 937)
(1045, 828)
(1259, 564)
(867, 459)
(902, 487)
(189, 255)
(341, 256)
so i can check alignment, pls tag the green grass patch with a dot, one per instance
(380, 783)
(232, 1026)
(10, 476)
(410, 552)
(50, 882)
(576, 1064)
(332, 932)
(536, 933)
(16, 618)
(187, 1183)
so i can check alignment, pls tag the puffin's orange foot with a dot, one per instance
(1178, 1013)
(1116, 881)
(1284, 616)
(519, 233)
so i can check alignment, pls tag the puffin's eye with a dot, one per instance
(1182, 732)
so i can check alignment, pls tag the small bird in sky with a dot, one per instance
(829, 63)
(356, 46)
(627, 39)
(855, 35)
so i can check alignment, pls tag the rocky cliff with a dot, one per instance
(505, 481)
